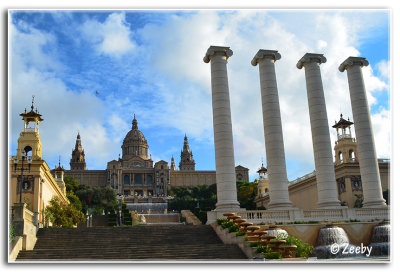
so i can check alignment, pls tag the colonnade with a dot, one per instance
(274, 145)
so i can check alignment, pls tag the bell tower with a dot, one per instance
(29, 139)
(187, 162)
(78, 156)
(345, 145)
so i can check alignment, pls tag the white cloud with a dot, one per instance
(384, 68)
(65, 112)
(246, 32)
(179, 81)
(113, 37)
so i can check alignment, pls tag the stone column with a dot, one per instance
(274, 147)
(371, 182)
(325, 172)
(223, 138)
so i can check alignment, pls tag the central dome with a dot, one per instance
(135, 135)
(134, 144)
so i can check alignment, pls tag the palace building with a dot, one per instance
(135, 173)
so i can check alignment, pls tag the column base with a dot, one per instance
(280, 206)
(227, 206)
(330, 205)
(375, 204)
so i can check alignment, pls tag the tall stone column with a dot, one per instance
(223, 138)
(274, 147)
(371, 181)
(325, 172)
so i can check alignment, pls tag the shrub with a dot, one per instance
(12, 232)
(302, 250)
(227, 224)
(233, 228)
(273, 255)
(240, 233)
(254, 244)
(221, 220)
(263, 249)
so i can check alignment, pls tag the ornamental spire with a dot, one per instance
(134, 122)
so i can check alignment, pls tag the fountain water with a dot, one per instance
(154, 208)
(276, 231)
(331, 243)
(380, 240)
(154, 213)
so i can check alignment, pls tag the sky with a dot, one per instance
(91, 71)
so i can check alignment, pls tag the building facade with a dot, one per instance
(135, 173)
(303, 191)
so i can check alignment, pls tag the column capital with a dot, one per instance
(350, 61)
(262, 53)
(310, 57)
(213, 50)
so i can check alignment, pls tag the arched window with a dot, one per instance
(351, 155)
(340, 157)
(138, 179)
(126, 180)
(27, 150)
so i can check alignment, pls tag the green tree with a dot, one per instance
(71, 184)
(61, 214)
(246, 194)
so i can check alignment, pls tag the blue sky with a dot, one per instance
(150, 63)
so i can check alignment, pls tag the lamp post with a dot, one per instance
(29, 160)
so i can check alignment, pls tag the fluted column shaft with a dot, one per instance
(223, 138)
(325, 172)
(370, 178)
(274, 147)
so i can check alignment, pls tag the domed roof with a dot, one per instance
(135, 135)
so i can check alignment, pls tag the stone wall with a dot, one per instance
(92, 178)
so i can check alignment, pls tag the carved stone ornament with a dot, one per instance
(310, 57)
(213, 50)
(350, 61)
(262, 53)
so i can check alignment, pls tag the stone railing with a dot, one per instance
(265, 216)
(292, 215)
(190, 217)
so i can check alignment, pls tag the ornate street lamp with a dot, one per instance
(29, 160)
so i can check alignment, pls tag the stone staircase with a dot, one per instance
(143, 242)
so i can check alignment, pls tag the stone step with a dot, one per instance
(160, 242)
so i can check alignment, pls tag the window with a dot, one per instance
(138, 179)
(162, 166)
(149, 180)
(126, 180)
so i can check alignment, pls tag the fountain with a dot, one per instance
(154, 213)
(142, 208)
(380, 240)
(331, 243)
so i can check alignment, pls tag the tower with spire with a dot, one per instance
(187, 162)
(173, 166)
(78, 156)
